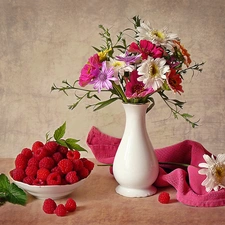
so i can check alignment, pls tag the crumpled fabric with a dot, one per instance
(185, 180)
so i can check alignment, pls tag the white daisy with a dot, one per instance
(158, 37)
(153, 72)
(214, 169)
(120, 67)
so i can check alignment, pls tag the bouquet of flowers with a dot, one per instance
(154, 61)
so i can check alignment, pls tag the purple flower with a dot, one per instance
(128, 59)
(104, 78)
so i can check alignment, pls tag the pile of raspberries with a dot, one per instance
(50, 207)
(50, 164)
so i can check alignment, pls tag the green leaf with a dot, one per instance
(11, 192)
(4, 184)
(62, 142)
(16, 195)
(59, 133)
(72, 144)
(103, 104)
(186, 115)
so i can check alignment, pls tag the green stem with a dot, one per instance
(120, 92)
(174, 164)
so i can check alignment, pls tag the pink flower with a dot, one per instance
(174, 81)
(135, 88)
(90, 70)
(146, 48)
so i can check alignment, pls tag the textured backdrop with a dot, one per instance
(44, 42)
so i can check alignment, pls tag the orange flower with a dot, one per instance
(185, 53)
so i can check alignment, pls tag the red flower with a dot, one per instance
(174, 81)
(90, 70)
(146, 48)
(135, 88)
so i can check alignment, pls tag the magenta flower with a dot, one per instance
(146, 48)
(135, 88)
(90, 70)
(104, 78)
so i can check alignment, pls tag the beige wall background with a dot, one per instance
(44, 42)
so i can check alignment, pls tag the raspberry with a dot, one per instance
(49, 206)
(83, 173)
(36, 145)
(21, 161)
(54, 179)
(43, 173)
(73, 155)
(72, 177)
(40, 153)
(77, 164)
(88, 164)
(27, 152)
(18, 174)
(31, 170)
(164, 197)
(62, 149)
(47, 162)
(70, 205)
(33, 162)
(28, 180)
(60, 210)
(57, 169)
(39, 182)
(57, 156)
(65, 165)
(51, 147)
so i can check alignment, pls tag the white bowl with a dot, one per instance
(49, 191)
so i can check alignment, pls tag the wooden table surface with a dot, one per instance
(98, 203)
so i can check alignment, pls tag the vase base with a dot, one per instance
(135, 193)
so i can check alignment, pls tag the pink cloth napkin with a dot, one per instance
(186, 181)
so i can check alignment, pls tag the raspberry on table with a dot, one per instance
(164, 197)
(70, 205)
(73, 155)
(54, 179)
(43, 173)
(60, 210)
(65, 165)
(21, 161)
(47, 162)
(72, 177)
(36, 145)
(49, 206)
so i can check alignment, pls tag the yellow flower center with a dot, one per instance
(117, 64)
(218, 171)
(153, 70)
(158, 34)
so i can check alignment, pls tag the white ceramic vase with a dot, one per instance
(135, 165)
